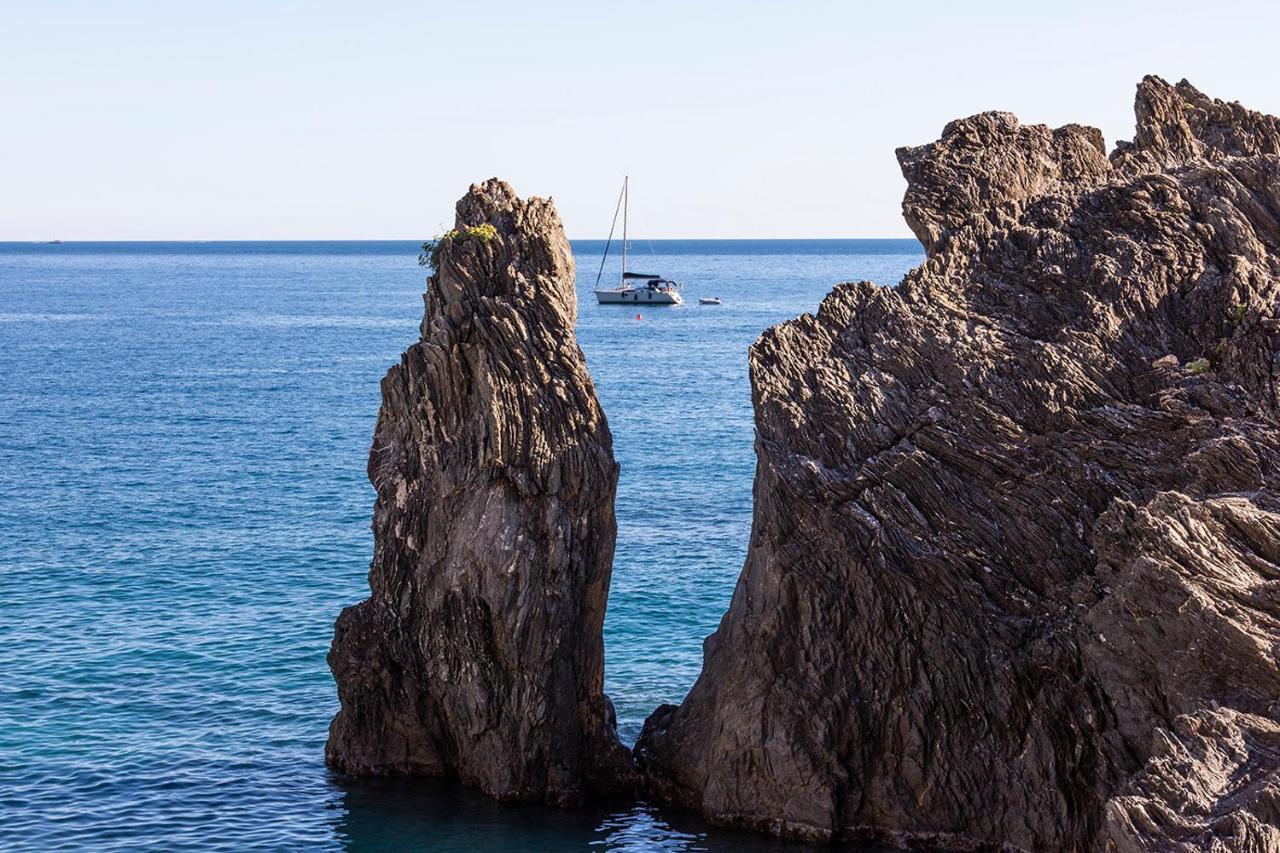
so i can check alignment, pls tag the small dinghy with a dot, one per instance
(709, 300)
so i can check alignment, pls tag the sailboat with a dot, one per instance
(633, 288)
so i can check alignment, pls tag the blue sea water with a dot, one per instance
(184, 510)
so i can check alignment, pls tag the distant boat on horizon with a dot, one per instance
(647, 289)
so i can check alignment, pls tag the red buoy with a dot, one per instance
(638, 317)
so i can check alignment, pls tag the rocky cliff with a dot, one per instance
(479, 653)
(1014, 571)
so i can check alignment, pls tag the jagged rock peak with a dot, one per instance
(988, 166)
(1014, 571)
(1179, 124)
(479, 652)
(527, 259)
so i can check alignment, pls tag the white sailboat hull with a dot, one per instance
(637, 296)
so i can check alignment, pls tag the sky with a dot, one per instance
(316, 120)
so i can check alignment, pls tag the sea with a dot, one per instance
(184, 510)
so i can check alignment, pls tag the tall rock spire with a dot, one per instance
(479, 652)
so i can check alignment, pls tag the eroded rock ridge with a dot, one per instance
(1014, 573)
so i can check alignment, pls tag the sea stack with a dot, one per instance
(479, 653)
(1014, 573)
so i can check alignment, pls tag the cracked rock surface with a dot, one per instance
(1014, 571)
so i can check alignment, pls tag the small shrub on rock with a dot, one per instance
(430, 255)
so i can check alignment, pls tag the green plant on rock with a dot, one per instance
(484, 232)
(1200, 365)
(1236, 312)
(430, 255)
(1219, 351)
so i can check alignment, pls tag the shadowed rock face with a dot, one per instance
(479, 653)
(1014, 572)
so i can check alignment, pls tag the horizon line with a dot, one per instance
(198, 240)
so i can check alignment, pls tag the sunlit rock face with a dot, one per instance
(479, 653)
(1013, 575)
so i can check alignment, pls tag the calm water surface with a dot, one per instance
(184, 510)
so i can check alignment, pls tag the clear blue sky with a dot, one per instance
(317, 120)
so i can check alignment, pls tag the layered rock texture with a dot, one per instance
(1014, 572)
(479, 653)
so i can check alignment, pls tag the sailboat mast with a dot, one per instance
(626, 201)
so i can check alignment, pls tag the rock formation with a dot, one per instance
(479, 653)
(1014, 571)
